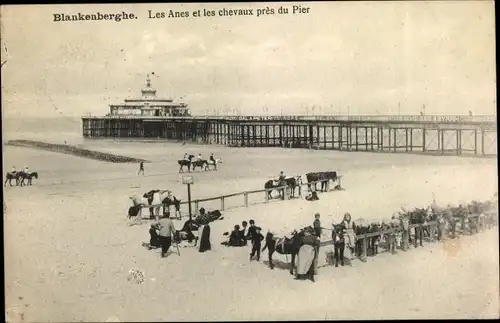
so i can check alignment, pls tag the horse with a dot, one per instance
(292, 183)
(10, 176)
(150, 196)
(27, 176)
(167, 202)
(419, 216)
(360, 226)
(325, 177)
(284, 246)
(214, 162)
(270, 185)
(183, 162)
(373, 242)
(156, 197)
(202, 163)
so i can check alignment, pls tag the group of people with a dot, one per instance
(239, 237)
(307, 256)
(163, 233)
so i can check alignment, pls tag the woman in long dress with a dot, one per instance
(204, 234)
(306, 257)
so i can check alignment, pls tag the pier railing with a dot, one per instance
(222, 204)
(379, 118)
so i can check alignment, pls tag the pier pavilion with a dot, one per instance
(149, 105)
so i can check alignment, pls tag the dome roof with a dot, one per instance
(148, 90)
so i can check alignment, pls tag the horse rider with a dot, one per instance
(212, 157)
(14, 171)
(281, 182)
(186, 157)
(26, 170)
(199, 157)
(281, 179)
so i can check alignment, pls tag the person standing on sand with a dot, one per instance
(243, 231)
(166, 230)
(317, 232)
(317, 225)
(339, 244)
(257, 238)
(251, 230)
(141, 168)
(405, 225)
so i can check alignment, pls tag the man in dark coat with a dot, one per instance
(317, 225)
(251, 230)
(339, 244)
(271, 245)
(257, 237)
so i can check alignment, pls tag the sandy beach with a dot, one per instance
(69, 247)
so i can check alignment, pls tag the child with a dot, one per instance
(317, 225)
(243, 231)
(257, 237)
(251, 230)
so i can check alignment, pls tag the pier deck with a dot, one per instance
(444, 135)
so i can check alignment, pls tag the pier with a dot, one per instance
(434, 134)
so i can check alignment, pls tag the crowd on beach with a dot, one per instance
(351, 238)
(347, 237)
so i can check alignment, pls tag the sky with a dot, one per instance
(340, 58)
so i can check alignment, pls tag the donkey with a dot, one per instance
(284, 246)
